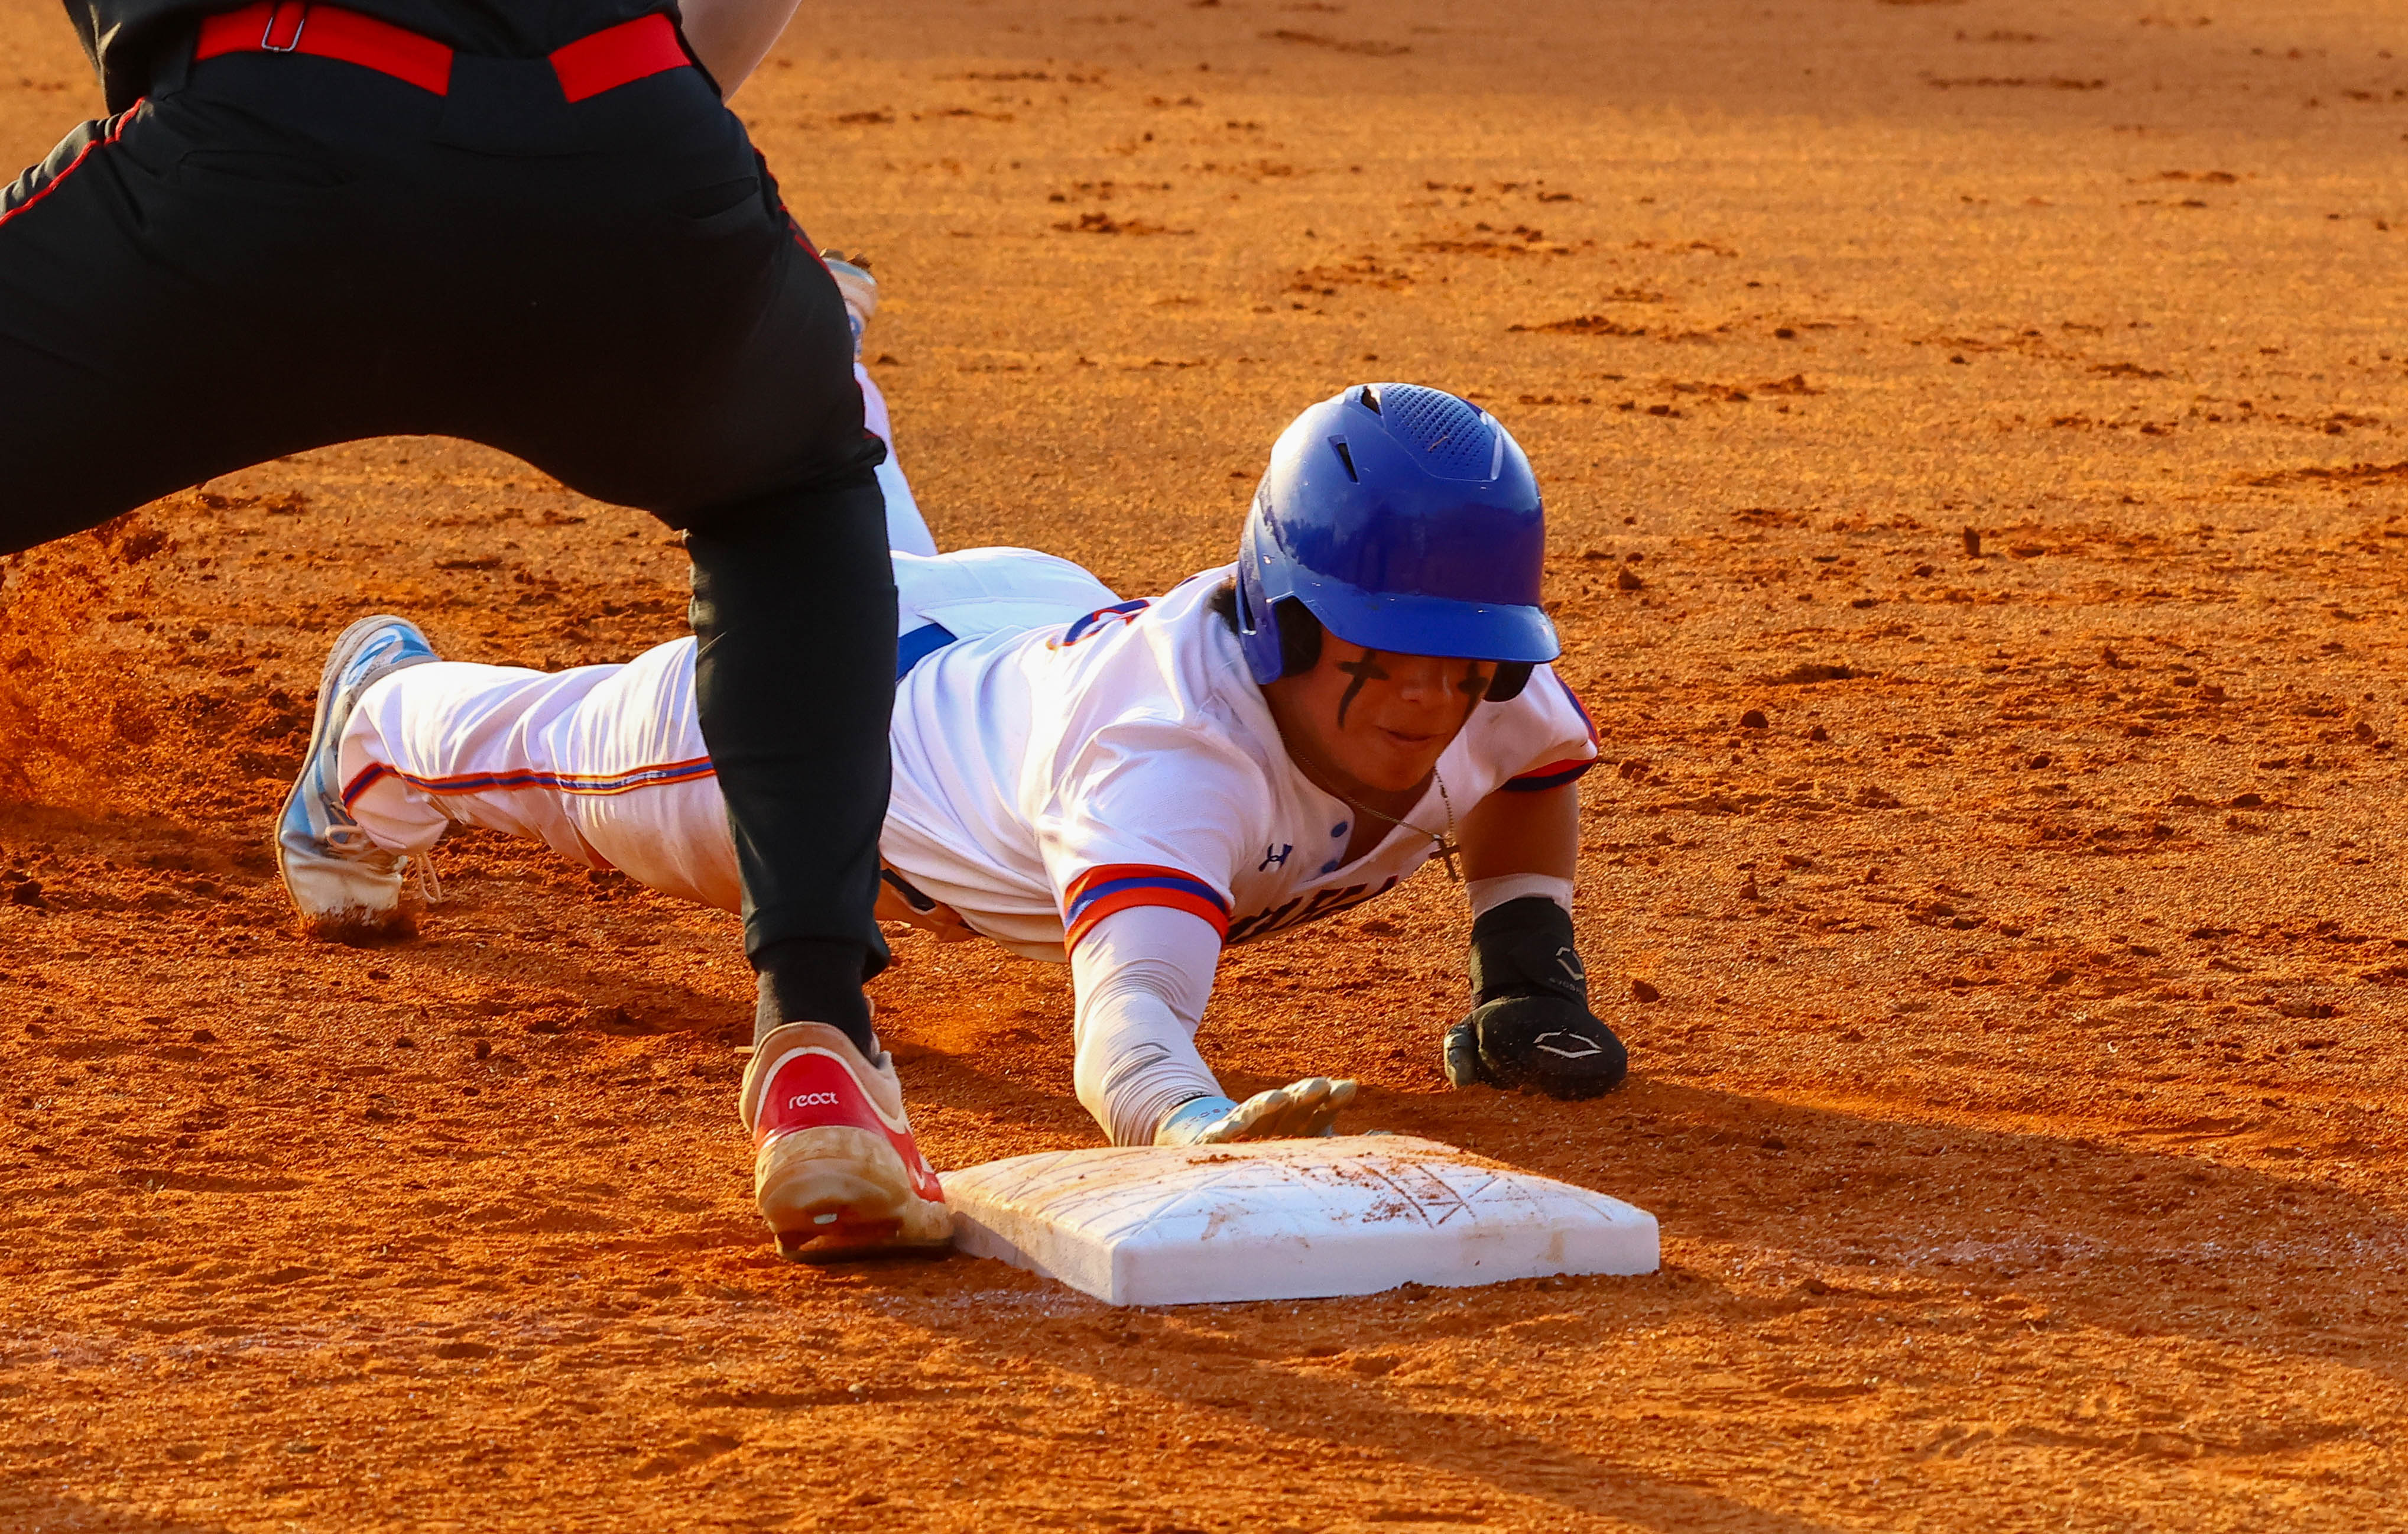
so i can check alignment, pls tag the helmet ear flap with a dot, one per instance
(1507, 685)
(1300, 635)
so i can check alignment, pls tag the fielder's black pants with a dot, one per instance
(273, 253)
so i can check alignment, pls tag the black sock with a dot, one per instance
(806, 979)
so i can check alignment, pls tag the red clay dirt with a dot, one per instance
(2002, 401)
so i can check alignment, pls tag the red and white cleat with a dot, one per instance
(835, 1170)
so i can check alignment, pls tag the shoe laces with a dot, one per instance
(430, 883)
(349, 839)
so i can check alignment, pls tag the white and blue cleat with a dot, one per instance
(858, 288)
(346, 888)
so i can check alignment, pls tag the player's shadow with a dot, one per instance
(939, 1082)
(1279, 1401)
(2107, 1236)
(1927, 1213)
(1522, 1466)
(2133, 1239)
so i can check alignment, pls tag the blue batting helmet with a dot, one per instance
(1406, 520)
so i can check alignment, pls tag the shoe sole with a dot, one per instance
(359, 927)
(838, 1193)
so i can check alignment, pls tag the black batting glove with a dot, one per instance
(1530, 1025)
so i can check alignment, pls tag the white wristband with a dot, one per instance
(1489, 894)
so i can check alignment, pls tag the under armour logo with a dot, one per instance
(1279, 858)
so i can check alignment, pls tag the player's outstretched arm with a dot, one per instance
(731, 38)
(1530, 1023)
(1143, 976)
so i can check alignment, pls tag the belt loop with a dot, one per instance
(276, 14)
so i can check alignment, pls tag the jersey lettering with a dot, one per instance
(1262, 921)
(1279, 856)
(1327, 902)
(1093, 623)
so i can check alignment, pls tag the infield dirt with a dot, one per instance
(2021, 1097)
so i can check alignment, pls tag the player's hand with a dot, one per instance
(1543, 1042)
(1530, 1025)
(1300, 1110)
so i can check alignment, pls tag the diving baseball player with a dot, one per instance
(1131, 786)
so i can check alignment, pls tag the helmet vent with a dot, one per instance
(1454, 437)
(1346, 458)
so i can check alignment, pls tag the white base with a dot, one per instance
(1290, 1219)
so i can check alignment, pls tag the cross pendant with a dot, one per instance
(1446, 850)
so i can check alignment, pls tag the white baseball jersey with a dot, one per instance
(1044, 781)
(1058, 756)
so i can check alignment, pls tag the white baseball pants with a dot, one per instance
(907, 530)
(604, 763)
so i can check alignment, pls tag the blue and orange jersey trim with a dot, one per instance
(1557, 774)
(658, 775)
(1119, 886)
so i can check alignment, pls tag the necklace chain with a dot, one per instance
(1446, 847)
